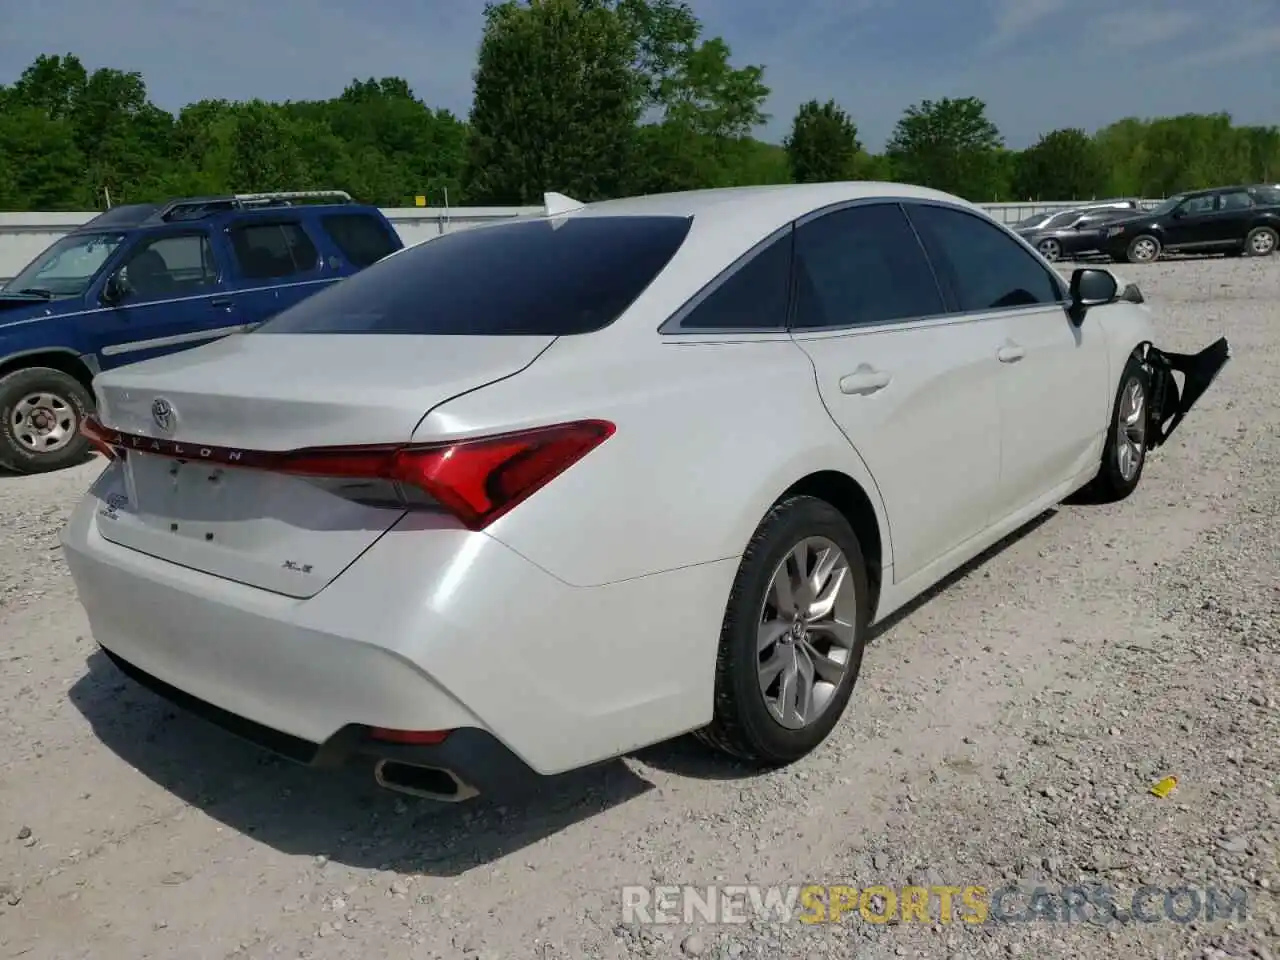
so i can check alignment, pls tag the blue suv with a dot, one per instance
(143, 280)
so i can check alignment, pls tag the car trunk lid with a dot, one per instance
(179, 500)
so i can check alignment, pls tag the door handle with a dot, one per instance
(864, 381)
(1010, 353)
(221, 302)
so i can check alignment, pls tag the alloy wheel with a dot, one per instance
(1131, 429)
(805, 635)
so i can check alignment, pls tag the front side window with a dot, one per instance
(1198, 205)
(862, 265)
(269, 251)
(985, 268)
(754, 297)
(68, 267)
(167, 267)
(532, 277)
(1167, 207)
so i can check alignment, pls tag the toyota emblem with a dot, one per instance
(163, 414)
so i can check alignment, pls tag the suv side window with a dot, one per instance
(984, 268)
(1198, 206)
(862, 265)
(268, 251)
(753, 297)
(167, 267)
(1239, 200)
(362, 239)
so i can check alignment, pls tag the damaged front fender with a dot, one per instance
(1170, 403)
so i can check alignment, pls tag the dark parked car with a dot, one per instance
(1243, 220)
(1071, 233)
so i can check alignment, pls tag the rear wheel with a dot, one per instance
(1261, 242)
(1143, 249)
(793, 636)
(41, 410)
(1125, 453)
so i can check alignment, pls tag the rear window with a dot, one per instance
(362, 239)
(269, 251)
(530, 278)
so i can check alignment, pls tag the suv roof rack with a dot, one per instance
(194, 208)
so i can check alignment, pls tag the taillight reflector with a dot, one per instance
(418, 737)
(476, 479)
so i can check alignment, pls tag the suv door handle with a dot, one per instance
(220, 302)
(864, 381)
(1010, 353)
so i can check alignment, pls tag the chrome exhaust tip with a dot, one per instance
(432, 783)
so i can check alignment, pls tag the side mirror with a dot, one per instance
(1091, 287)
(116, 288)
(1179, 213)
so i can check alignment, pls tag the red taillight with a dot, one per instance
(418, 737)
(477, 479)
(480, 480)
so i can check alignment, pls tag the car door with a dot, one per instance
(165, 294)
(1231, 218)
(277, 264)
(912, 387)
(1053, 378)
(1191, 223)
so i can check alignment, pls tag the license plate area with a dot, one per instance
(281, 533)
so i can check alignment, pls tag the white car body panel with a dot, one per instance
(585, 622)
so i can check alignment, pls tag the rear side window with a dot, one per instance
(267, 251)
(527, 278)
(985, 268)
(753, 297)
(1240, 200)
(1267, 196)
(362, 239)
(862, 265)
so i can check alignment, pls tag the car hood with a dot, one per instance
(17, 307)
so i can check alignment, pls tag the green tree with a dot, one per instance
(950, 145)
(1063, 165)
(556, 102)
(823, 144)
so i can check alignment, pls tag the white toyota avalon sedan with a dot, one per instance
(533, 495)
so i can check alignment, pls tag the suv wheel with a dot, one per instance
(793, 636)
(1143, 249)
(1261, 242)
(41, 410)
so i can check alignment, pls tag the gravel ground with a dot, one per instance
(1005, 730)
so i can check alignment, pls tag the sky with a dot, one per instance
(1039, 64)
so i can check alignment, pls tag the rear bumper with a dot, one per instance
(428, 630)
(475, 756)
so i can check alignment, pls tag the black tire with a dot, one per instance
(1254, 235)
(743, 726)
(78, 401)
(1133, 252)
(1112, 483)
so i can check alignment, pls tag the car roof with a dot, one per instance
(763, 207)
(144, 215)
